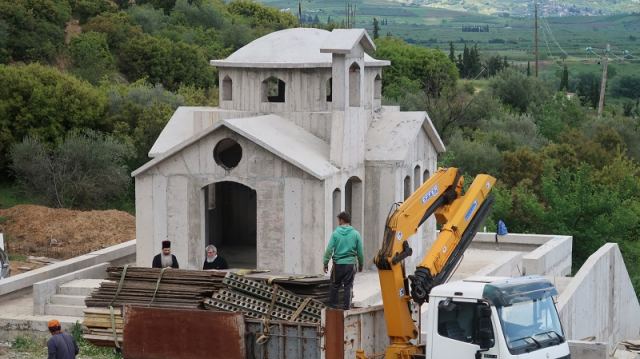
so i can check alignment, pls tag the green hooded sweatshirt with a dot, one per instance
(345, 245)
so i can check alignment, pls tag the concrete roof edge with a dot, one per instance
(433, 134)
(363, 39)
(175, 149)
(278, 153)
(195, 138)
(289, 65)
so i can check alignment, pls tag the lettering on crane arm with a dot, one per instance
(467, 216)
(401, 293)
(432, 192)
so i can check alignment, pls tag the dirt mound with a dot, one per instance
(63, 233)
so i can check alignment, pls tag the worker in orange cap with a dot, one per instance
(61, 345)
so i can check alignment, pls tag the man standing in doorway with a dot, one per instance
(61, 345)
(165, 259)
(345, 247)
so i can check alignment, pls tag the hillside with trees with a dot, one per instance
(87, 85)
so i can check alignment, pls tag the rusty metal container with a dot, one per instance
(211, 334)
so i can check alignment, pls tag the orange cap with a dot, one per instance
(53, 323)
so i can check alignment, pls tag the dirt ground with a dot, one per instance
(31, 230)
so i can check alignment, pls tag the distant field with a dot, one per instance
(511, 37)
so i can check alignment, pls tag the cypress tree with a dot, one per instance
(376, 29)
(564, 81)
(452, 55)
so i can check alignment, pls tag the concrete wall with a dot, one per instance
(600, 300)
(170, 205)
(118, 254)
(43, 290)
(552, 258)
(304, 89)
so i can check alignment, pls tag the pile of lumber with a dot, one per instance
(257, 299)
(176, 288)
(98, 320)
(171, 288)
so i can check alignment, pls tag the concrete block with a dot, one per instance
(45, 289)
(64, 310)
(64, 299)
(587, 350)
(80, 287)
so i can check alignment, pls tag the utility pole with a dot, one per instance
(603, 83)
(535, 36)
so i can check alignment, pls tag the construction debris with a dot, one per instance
(259, 300)
(286, 298)
(168, 288)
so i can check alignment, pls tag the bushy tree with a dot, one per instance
(472, 156)
(138, 113)
(118, 27)
(91, 57)
(43, 102)
(588, 89)
(519, 91)
(430, 68)
(260, 16)
(34, 29)
(627, 86)
(86, 9)
(161, 61)
(86, 170)
(206, 14)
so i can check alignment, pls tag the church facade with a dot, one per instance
(299, 135)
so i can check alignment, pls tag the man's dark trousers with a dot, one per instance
(342, 275)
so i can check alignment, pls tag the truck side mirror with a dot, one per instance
(485, 328)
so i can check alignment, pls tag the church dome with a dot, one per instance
(290, 48)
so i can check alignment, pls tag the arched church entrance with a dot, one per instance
(230, 222)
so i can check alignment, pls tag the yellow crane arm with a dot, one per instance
(460, 216)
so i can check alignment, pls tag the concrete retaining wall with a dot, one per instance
(541, 254)
(600, 300)
(43, 290)
(552, 258)
(116, 255)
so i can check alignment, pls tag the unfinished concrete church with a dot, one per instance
(300, 134)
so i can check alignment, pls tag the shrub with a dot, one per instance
(85, 171)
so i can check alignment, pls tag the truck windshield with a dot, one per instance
(530, 325)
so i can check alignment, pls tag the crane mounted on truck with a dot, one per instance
(479, 317)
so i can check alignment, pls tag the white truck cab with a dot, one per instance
(491, 317)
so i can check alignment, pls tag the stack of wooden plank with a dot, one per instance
(98, 320)
(176, 288)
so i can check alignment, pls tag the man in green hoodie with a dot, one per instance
(345, 247)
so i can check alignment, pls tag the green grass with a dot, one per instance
(37, 348)
(11, 196)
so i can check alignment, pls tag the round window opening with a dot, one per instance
(227, 153)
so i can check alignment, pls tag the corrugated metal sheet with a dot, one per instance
(365, 329)
(155, 333)
(287, 340)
